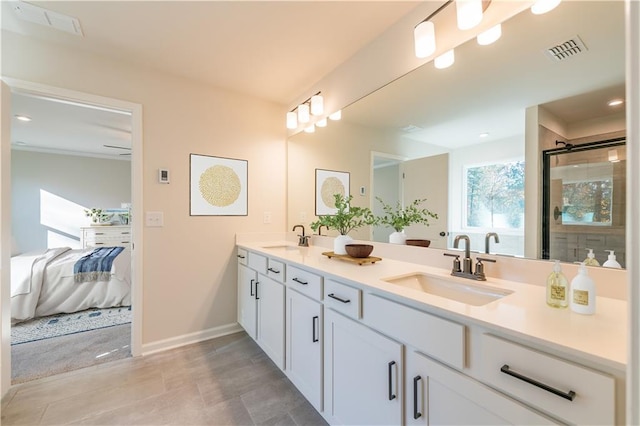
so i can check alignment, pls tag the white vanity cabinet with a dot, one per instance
(304, 345)
(363, 374)
(261, 304)
(437, 395)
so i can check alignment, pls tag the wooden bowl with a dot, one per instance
(421, 243)
(359, 250)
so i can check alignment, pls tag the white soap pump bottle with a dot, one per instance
(611, 261)
(583, 293)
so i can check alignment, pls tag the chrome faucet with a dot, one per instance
(487, 239)
(467, 269)
(303, 240)
(466, 262)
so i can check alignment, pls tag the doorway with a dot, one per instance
(134, 111)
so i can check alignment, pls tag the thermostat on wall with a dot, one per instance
(163, 175)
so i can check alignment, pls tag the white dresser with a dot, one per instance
(107, 236)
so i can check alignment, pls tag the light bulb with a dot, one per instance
(336, 115)
(544, 6)
(317, 105)
(424, 37)
(490, 36)
(303, 113)
(445, 60)
(292, 120)
(469, 13)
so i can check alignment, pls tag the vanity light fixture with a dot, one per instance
(322, 123)
(310, 129)
(543, 6)
(615, 102)
(292, 120)
(336, 115)
(303, 113)
(445, 60)
(24, 118)
(317, 104)
(490, 36)
(424, 38)
(613, 156)
(468, 13)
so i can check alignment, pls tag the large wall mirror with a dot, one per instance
(470, 138)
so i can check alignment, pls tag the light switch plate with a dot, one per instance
(154, 219)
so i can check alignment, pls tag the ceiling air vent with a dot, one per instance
(567, 49)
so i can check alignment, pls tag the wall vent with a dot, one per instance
(567, 49)
(39, 15)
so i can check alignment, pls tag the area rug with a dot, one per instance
(65, 324)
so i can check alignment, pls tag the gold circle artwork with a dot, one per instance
(219, 186)
(331, 186)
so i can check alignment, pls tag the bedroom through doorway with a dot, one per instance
(72, 238)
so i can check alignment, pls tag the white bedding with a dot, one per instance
(43, 284)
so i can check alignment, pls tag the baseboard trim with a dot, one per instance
(187, 339)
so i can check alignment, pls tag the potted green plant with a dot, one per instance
(399, 218)
(346, 219)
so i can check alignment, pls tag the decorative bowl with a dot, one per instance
(358, 250)
(415, 242)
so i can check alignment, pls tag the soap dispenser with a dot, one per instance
(583, 292)
(557, 288)
(591, 259)
(611, 261)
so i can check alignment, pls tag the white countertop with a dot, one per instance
(600, 338)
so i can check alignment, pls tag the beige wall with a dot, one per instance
(189, 267)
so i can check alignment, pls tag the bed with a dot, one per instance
(44, 283)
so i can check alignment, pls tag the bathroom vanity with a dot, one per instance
(397, 342)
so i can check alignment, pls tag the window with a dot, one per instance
(495, 196)
(587, 202)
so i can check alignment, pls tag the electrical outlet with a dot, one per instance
(267, 217)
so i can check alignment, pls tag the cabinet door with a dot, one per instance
(247, 304)
(438, 395)
(304, 346)
(270, 296)
(363, 374)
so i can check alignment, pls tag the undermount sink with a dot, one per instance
(282, 247)
(469, 293)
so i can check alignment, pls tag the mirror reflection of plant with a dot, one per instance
(97, 215)
(399, 218)
(347, 217)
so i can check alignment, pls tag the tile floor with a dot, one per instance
(223, 381)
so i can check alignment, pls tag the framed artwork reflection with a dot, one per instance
(218, 186)
(328, 183)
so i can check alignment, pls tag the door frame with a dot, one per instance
(137, 229)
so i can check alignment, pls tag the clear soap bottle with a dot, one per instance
(591, 259)
(557, 288)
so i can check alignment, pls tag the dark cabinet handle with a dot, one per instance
(416, 413)
(566, 395)
(275, 271)
(241, 256)
(257, 282)
(252, 287)
(333, 296)
(392, 396)
(314, 322)
(300, 281)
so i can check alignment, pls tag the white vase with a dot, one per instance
(339, 243)
(397, 238)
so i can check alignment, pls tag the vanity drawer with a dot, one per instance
(343, 298)
(592, 392)
(242, 256)
(439, 338)
(275, 270)
(305, 282)
(258, 262)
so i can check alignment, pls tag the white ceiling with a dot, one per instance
(273, 50)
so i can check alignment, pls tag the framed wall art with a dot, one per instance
(218, 186)
(328, 183)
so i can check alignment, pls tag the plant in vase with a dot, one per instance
(399, 218)
(346, 219)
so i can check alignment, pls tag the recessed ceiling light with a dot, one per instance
(615, 102)
(23, 117)
(484, 135)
